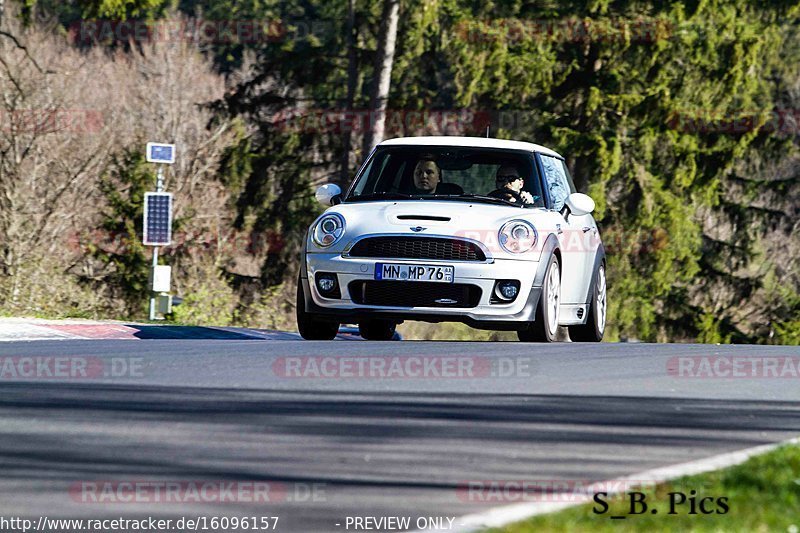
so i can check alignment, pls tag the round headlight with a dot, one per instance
(328, 230)
(517, 236)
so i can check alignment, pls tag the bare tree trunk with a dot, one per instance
(383, 74)
(352, 80)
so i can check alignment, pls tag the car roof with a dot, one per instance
(472, 142)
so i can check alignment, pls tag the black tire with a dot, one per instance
(310, 327)
(595, 325)
(377, 330)
(542, 329)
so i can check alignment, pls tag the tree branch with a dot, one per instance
(24, 49)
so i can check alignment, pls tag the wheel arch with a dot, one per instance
(549, 248)
(599, 260)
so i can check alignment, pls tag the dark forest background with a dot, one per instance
(681, 120)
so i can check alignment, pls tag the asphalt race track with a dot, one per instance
(333, 439)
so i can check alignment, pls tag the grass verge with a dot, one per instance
(763, 494)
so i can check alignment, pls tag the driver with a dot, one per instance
(427, 176)
(509, 181)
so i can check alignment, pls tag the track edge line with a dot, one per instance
(508, 514)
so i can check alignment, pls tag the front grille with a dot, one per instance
(414, 294)
(418, 248)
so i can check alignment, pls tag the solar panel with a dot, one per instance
(157, 218)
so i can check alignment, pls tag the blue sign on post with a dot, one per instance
(160, 153)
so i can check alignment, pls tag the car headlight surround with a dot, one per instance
(517, 236)
(328, 230)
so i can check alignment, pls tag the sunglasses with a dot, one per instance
(508, 178)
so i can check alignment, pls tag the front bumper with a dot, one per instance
(485, 315)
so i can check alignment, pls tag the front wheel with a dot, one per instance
(595, 325)
(544, 328)
(377, 330)
(310, 327)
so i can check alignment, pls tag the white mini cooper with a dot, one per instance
(483, 231)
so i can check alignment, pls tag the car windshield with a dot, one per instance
(505, 177)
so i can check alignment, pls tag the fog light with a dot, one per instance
(506, 290)
(327, 284)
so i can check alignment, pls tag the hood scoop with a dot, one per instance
(429, 218)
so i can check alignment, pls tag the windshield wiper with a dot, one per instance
(480, 197)
(381, 195)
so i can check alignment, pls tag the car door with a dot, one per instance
(577, 235)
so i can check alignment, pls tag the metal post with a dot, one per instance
(160, 179)
(153, 294)
(159, 188)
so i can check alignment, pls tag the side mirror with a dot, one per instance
(331, 194)
(579, 204)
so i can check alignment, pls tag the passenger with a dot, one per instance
(508, 179)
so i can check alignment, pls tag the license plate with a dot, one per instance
(393, 271)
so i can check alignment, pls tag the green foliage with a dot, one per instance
(788, 331)
(451, 331)
(210, 303)
(709, 328)
(120, 9)
(237, 165)
(278, 198)
(45, 289)
(608, 98)
(124, 186)
(785, 323)
(72, 11)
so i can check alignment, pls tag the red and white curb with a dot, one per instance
(12, 330)
(17, 329)
(509, 514)
(34, 329)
